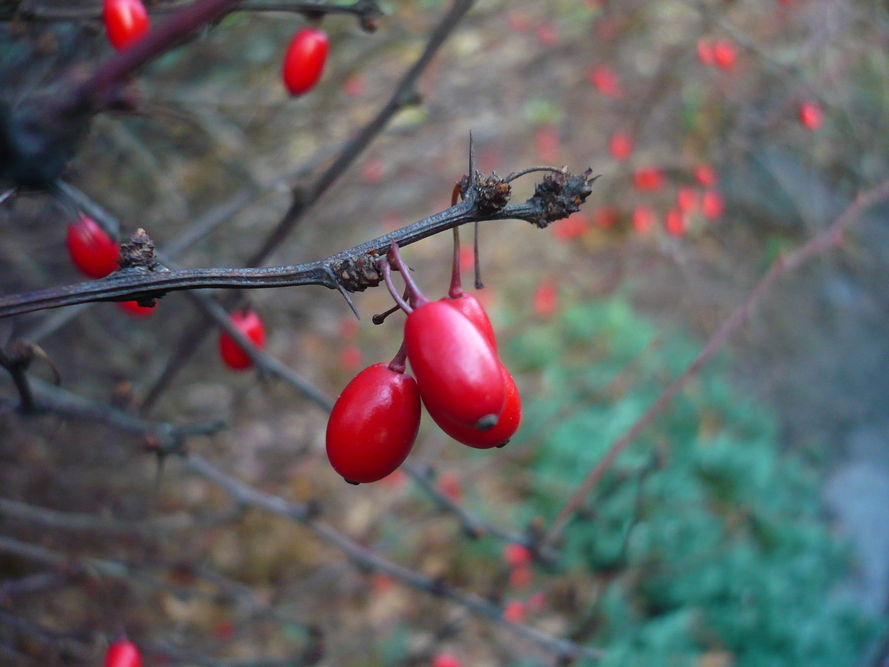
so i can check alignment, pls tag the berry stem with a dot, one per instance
(456, 289)
(387, 278)
(478, 265)
(399, 361)
(416, 296)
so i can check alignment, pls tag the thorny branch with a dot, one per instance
(831, 236)
(556, 197)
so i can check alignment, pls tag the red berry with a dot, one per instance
(304, 60)
(546, 298)
(455, 364)
(516, 555)
(648, 178)
(572, 227)
(373, 424)
(123, 653)
(91, 249)
(712, 205)
(449, 485)
(473, 310)
(520, 577)
(446, 660)
(724, 54)
(643, 219)
(249, 324)
(126, 21)
(621, 146)
(706, 175)
(515, 611)
(674, 222)
(507, 424)
(605, 81)
(810, 115)
(547, 140)
(605, 217)
(686, 199)
(705, 51)
(133, 308)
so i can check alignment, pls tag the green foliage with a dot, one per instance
(704, 539)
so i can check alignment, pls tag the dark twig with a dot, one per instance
(368, 559)
(354, 269)
(831, 236)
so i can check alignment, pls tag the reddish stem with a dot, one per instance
(416, 296)
(456, 289)
(399, 361)
(387, 278)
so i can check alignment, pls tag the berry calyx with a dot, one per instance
(373, 424)
(91, 249)
(304, 60)
(123, 653)
(126, 21)
(497, 436)
(248, 323)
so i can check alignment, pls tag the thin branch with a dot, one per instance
(831, 236)
(368, 559)
(55, 400)
(354, 268)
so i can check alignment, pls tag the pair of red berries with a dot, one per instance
(123, 653)
(452, 351)
(96, 254)
(126, 22)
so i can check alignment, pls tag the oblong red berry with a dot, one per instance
(475, 313)
(503, 430)
(248, 323)
(373, 424)
(91, 249)
(123, 653)
(304, 60)
(126, 21)
(455, 365)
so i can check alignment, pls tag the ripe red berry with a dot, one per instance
(123, 653)
(472, 309)
(514, 611)
(126, 21)
(686, 199)
(572, 227)
(643, 219)
(91, 249)
(546, 298)
(674, 222)
(304, 60)
(507, 424)
(516, 555)
(605, 81)
(712, 205)
(455, 364)
(446, 660)
(621, 146)
(248, 323)
(724, 54)
(648, 178)
(373, 424)
(706, 175)
(810, 115)
(133, 308)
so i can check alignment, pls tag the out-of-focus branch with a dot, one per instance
(831, 236)
(368, 559)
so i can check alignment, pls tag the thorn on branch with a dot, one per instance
(138, 253)
(559, 195)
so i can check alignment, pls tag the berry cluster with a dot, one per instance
(467, 391)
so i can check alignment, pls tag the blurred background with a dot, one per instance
(746, 526)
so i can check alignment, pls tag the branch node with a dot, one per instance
(355, 274)
(559, 195)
